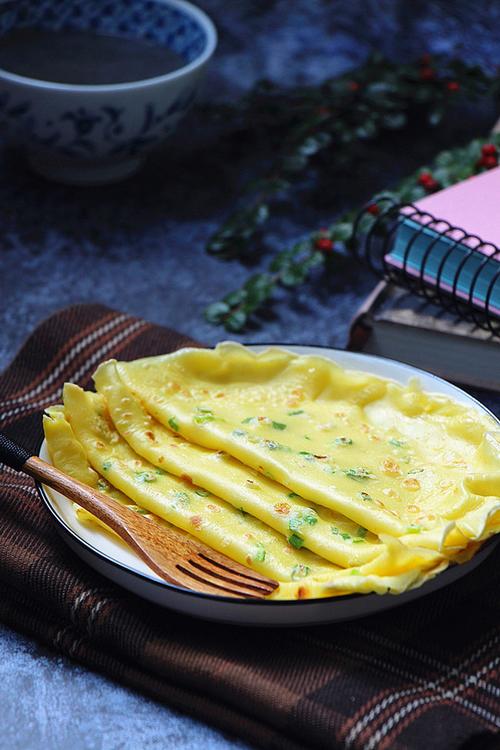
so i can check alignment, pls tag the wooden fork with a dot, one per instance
(178, 559)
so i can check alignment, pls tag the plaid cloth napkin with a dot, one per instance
(423, 676)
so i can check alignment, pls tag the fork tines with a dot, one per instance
(233, 581)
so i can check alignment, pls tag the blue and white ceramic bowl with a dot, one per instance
(89, 134)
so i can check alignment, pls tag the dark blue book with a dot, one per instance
(395, 323)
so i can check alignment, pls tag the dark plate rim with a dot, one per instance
(485, 551)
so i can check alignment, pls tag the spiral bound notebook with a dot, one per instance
(445, 248)
(451, 239)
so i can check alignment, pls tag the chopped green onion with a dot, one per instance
(271, 444)
(202, 418)
(145, 476)
(343, 441)
(310, 517)
(173, 424)
(300, 571)
(182, 497)
(279, 425)
(295, 413)
(358, 475)
(295, 523)
(295, 540)
(260, 555)
(307, 455)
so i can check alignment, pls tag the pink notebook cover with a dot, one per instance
(472, 205)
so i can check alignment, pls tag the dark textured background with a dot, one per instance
(139, 246)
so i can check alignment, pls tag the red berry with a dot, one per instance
(425, 59)
(489, 162)
(424, 178)
(427, 74)
(453, 86)
(432, 185)
(353, 86)
(489, 149)
(324, 244)
(373, 209)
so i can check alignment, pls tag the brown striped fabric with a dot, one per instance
(426, 675)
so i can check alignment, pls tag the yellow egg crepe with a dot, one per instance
(321, 530)
(330, 481)
(393, 459)
(329, 534)
(83, 442)
(190, 508)
(68, 455)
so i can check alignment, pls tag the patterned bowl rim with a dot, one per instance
(195, 13)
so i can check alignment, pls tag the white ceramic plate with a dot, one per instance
(117, 562)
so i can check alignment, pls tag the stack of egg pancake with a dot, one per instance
(331, 481)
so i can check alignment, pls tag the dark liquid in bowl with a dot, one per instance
(83, 57)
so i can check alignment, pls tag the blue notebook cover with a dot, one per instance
(423, 251)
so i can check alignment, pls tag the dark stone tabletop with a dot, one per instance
(139, 246)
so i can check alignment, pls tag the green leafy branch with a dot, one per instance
(333, 119)
(292, 266)
(288, 268)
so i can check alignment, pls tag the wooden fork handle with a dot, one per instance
(160, 547)
(103, 506)
(108, 510)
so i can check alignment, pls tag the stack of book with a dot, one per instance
(448, 242)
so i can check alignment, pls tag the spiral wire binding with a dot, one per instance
(374, 244)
